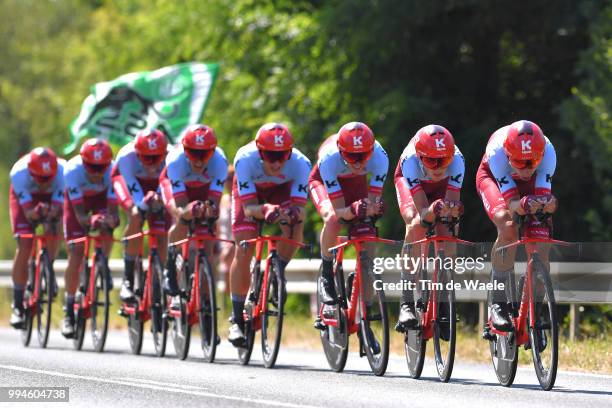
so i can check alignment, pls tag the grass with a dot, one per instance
(592, 355)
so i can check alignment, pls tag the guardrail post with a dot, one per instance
(574, 326)
(482, 318)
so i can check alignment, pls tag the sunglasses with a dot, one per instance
(150, 159)
(199, 155)
(42, 179)
(522, 164)
(353, 158)
(95, 168)
(275, 156)
(436, 163)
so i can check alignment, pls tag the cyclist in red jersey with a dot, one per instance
(136, 183)
(195, 173)
(339, 188)
(428, 180)
(270, 184)
(88, 186)
(514, 177)
(37, 191)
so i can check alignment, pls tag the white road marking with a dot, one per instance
(143, 383)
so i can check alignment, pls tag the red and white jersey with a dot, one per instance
(250, 173)
(78, 185)
(136, 177)
(497, 162)
(182, 177)
(24, 185)
(412, 169)
(332, 168)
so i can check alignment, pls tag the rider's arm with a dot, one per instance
(545, 172)
(341, 210)
(300, 170)
(126, 164)
(500, 167)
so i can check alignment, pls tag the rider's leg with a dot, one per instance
(177, 232)
(130, 252)
(329, 233)
(410, 256)
(20, 278)
(239, 273)
(286, 250)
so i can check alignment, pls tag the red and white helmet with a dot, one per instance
(150, 146)
(199, 142)
(355, 142)
(274, 142)
(42, 164)
(96, 155)
(524, 144)
(435, 146)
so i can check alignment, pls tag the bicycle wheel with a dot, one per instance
(100, 305)
(181, 330)
(504, 351)
(335, 339)
(374, 327)
(28, 313)
(159, 322)
(445, 328)
(272, 323)
(414, 344)
(207, 315)
(544, 336)
(244, 353)
(135, 322)
(45, 299)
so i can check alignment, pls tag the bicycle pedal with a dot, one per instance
(121, 312)
(318, 324)
(487, 335)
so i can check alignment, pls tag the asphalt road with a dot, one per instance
(301, 379)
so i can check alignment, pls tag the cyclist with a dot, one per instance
(518, 164)
(195, 172)
(270, 183)
(88, 189)
(36, 192)
(428, 180)
(136, 183)
(340, 190)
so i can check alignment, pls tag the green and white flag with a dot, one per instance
(169, 98)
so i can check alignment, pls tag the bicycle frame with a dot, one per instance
(141, 310)
(193, 306)
(37, 248)
(527, 301)
(89, 290)
(351, 306)
(261, 242)
(431, 310)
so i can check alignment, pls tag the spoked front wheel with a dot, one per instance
(374, 325)
(100, 305)
(414, 343)
(159, 322)
(272, 319)
(135, 322)
(181, 330)
(504, 352)
(334, 338)
(207, 315)
(445, 328)
(45, 300)
(544, 335)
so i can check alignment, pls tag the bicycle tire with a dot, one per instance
(99, 323)
(335, 340)
(45, 299)
(546, 375)
(181, 330)
(159, 304)
(503, 349)
(445, 329)
(271, 347)
(135, 322)
(28, 315)
(207, 315)
(415, 346)
(377, 361)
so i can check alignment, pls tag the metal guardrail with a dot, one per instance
(574, 282)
